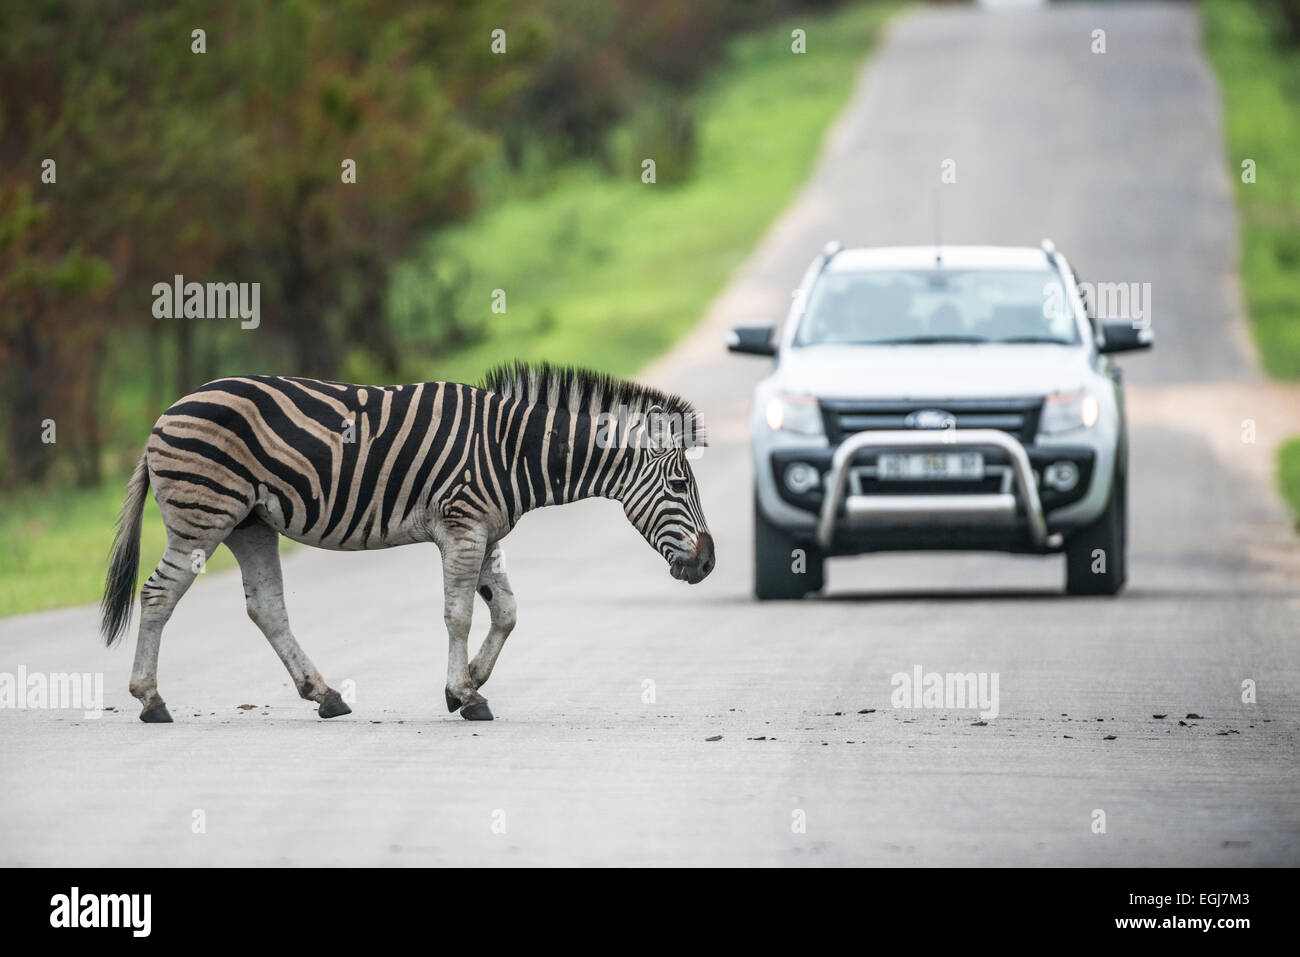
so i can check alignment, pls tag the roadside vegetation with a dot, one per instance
(596, 266)
(1288, 475)
(1255, 49)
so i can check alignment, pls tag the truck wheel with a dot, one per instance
(776, 558)
(1096, 560)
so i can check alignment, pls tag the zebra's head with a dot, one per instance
(663, 503)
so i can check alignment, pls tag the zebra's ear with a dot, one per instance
(659, 429)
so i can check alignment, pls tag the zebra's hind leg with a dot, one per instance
(462, 561)
(493, 588)
(172, 577)
(256, 548)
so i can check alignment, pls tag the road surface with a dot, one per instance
(1119, 158)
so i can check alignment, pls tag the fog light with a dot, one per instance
(800, 477)
(1061, 476)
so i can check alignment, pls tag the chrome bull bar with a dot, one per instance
(867, 510)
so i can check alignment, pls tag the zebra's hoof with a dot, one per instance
(477, 712)
(156, 714)
(333, 706)
(453, 703)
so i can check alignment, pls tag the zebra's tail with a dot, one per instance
(119, 586)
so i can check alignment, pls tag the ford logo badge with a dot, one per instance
(930, 419)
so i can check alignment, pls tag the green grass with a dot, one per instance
(57, 545)
(598, 269)
(1288, 474)
(607, 271)
(1261, 87)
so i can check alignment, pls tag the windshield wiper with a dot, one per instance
(922, 340)
(1051, 339)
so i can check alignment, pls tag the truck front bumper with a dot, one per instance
(999, 508)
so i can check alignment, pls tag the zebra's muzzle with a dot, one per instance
(694, 568)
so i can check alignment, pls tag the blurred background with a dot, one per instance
(226, 166)
(490, 168)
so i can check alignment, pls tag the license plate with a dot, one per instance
(930, 465)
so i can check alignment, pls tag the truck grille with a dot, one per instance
(844, 417)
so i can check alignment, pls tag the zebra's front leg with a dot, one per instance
(461, 563)
(493, 588)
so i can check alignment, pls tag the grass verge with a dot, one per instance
(1288, 475)
(609, 271)
(58, 543)
(1261, 87)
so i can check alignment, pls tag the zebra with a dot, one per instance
(244, 460)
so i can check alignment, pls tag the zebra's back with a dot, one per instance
(327, 463)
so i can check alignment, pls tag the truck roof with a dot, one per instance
(924, 257)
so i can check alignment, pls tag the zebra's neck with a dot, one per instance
(564, 457)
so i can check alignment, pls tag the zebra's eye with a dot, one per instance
(677, 485)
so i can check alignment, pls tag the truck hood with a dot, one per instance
(932, 371)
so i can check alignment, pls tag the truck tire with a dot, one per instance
(775, 559)
(1104, 543)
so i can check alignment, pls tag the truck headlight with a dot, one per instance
(1068, 411)
(794, 413)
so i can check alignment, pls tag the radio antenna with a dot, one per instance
(938, 229)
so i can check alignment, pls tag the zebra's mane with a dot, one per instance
(583, 390)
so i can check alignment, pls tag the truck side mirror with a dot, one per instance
(1122, 335)
(752, 338)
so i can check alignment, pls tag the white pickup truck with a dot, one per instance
(955, 397)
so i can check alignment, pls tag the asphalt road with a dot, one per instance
(1119, 158)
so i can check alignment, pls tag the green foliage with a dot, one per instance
(1284, 16)
(220, 165)
(1260, 76)
(598, 268)
(603, 269)
(1288, 475)
(225, 164)
(1256, 50)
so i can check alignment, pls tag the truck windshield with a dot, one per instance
(903, 306)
